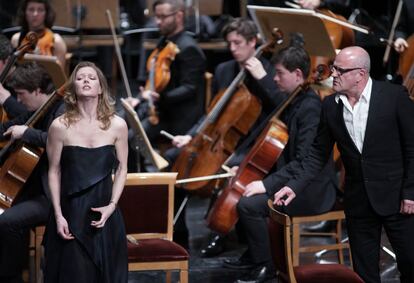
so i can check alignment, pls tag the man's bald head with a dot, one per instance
(356, 57)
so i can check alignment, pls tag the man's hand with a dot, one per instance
(132, 101)
(407, 206)
(254, 188)
(281, 194)
(180, 141)
(400, 45)
(4, 94)
(309, 4)
(150, 95)
(255, 68)
(16, 132)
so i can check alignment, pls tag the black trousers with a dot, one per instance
(365, 240)
(253, 213)
(15, 225)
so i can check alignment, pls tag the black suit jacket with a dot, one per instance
(302, 119)
(181, 103)
(405, 25)
(383, 174)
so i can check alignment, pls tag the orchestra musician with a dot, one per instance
(405, 26)
(181, 103)
(38, 16)
(31, 207)
(292, 66)
(241, 37)
(8, 101)
(371, 122)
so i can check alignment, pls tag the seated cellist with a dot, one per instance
(31, 207)
(292, 66)
(38, 16)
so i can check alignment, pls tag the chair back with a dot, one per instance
(280, 241)
(147, 205)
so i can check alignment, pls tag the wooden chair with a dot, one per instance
(147, 205)
(280, 238)
(208, 77)
(336, 235)
(36, 252)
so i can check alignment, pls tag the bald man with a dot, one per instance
(371, 122)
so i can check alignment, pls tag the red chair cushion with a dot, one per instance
(149, 250)
(325, 273)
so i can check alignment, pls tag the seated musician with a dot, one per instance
(292, 66)
(7, 101)
(38, 16)
(180, 104)
(405, 26)
(31, 207)
(241, 36)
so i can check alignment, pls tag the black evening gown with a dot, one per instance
(96, 254)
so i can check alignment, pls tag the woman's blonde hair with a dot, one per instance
(105, 109)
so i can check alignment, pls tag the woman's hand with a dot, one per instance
(63, 228)
(105, 212)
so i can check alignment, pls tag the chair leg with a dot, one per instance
(295, 244)
(168, 276)
(338, 237)
(183, 276)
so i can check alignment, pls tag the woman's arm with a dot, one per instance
(54, 149)
(60, 50)
(120, 130)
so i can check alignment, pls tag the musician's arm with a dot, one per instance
(60, 50)
(13, 108)
(20, 120)
(307, 124)
(192, 65)
(38, 137)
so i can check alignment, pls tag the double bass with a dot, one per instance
(231, 115)
(257, 163)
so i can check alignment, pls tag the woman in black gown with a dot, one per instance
(85, 239)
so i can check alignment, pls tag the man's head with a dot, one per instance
(31, 84)
(6, 50)
(350, 70)
(241, 37)
(169, 16)
(35, 14)
(292, 66)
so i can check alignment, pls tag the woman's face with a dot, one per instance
(87, 83)
(35, 15)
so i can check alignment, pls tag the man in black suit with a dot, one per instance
(292, 66)
(371, 122)
(181, 103)
(31, 207)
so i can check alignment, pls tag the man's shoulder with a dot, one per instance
(226, 66)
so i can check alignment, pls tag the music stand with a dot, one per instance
(142, 141)
(290, 21)
(52, 66)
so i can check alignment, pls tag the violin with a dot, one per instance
(231, 115)
(44, 44)
(29, 45)
(158, 67)
(257, 163)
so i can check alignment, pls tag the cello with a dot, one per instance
(257, 163)
(158, 67)
(230, 116)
